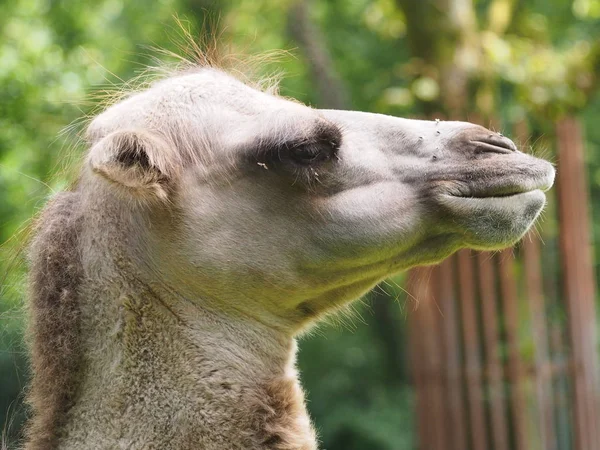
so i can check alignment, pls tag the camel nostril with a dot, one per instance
(495, 143)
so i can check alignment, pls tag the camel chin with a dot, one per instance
(496, 220)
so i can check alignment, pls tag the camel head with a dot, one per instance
(269, 208)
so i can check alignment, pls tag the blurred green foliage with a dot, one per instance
(528, 58)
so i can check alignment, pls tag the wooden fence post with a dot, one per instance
(427, 359)
(456, 422)
(578, 281)
(515, 373)
(532, 265)
(492, 345)
(473, 372)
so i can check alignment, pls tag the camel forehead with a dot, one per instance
(193, 93)
(213, 86)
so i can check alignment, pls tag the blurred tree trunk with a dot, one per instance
(331, 91)
(442, 34)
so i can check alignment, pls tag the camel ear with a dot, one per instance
(138, 162)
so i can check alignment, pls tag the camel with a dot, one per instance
(211, 224)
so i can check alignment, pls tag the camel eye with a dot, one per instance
(305, 152)
(310, 153)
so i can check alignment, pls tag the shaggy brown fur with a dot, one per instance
(55, 274)
(276, 416)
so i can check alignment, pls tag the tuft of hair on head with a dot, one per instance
(210, 48)
(206, 48)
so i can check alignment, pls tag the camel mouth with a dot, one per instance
(511, 188)
(501, 200)
(495, 210)
(505, 195)
(510, 192)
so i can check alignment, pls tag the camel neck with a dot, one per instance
(165, 373)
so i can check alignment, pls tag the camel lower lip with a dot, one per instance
(499, 197)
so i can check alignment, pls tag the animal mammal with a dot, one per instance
(211, 223)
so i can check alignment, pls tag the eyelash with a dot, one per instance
(301, 155)
(309, 154)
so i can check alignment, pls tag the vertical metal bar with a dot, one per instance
(508, 289)
(473, 373)
(579, 283)
(492, 346)
(455, 419)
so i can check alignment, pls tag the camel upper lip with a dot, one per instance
(508, 188)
